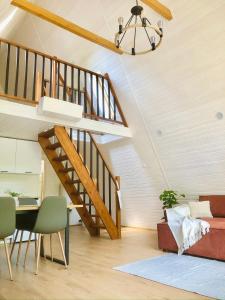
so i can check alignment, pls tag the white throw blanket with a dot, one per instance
(186, 230)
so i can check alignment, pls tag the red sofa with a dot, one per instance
(212, 245)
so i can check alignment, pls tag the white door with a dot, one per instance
(7, 155)
(28, 157)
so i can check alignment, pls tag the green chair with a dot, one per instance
(24, 222)
(7, 224)
(51, 218)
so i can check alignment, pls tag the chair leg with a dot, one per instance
(19, 249)
(14, 243)
(51, 247)
(8, 259)
(27, 248)
(63, 253)
(38, 253)
(43, 241)
(35, 244)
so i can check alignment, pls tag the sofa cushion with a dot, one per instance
(217, 204)
(216, 223)
(200, 209)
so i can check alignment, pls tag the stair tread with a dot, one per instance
(53, 146)
(87, 204)
(79, 193)
(73, 181)
(66, 170)
(47, 133)
(99, 226)
(61, 158)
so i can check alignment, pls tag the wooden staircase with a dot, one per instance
(71, 168)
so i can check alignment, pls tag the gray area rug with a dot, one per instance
(198, 275)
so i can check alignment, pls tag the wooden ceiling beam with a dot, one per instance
(65, 24)
(159, 8)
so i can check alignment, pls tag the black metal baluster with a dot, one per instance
(35, 74)
(85, 141)
(84, 158)
(97, 168)
(103, 180)
(92, 100)
(17, 71)
(78, 85)
(85, 90)
(50, 83)
(109, 100)
(72, 85)
(43, 75)
(78, 141)
(58, 81)
(7, 70)
(97, 95)
(114, 110)
(103, 98)
(110, 205)
(65, 82)
(26, 74)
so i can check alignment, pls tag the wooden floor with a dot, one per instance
(90, 274)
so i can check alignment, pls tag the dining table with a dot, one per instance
(26, 209)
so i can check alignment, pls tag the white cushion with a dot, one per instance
(183, 210)
(200, 209)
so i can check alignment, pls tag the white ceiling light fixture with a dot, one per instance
(137, 21)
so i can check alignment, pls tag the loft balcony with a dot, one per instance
(51, 91)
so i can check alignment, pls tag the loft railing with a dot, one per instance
(19, 69)
(107, 184)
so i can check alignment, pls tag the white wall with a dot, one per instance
(27, 185)
(170, 97)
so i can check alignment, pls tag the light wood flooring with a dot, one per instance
(90, 275)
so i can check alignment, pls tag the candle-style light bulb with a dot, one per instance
(160, 25)
(152, 41)
(120, 21)
(144, 21)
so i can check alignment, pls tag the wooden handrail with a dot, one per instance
(106, 76)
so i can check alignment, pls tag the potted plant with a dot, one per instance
(169, 199)
(15, 195)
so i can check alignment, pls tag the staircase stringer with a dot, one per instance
(70, 189)
(86, 180)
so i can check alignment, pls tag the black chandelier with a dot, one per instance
(137, 20)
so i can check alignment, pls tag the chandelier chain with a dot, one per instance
(146, 32)
(128, 23)
(135, 32)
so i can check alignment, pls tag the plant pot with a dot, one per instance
(16, 201)
(165, 215)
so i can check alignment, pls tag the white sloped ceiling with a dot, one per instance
(170, 97)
